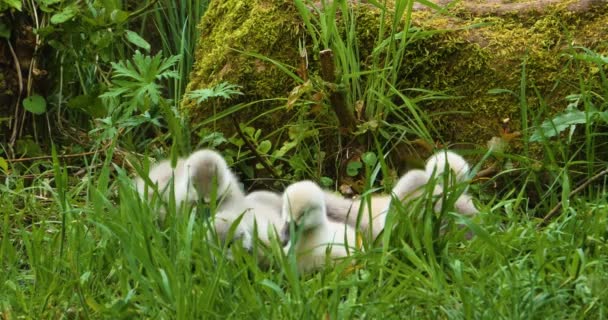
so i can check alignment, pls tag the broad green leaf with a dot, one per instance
(35, 104)
(3, 164)
(369, 158)
(352, 169)
(91, 104)
(135, 39)
(119, 16)
(326, 182)
(15, 4)
(48, 2)
(28, 147)
(552, 127)
(47, 5)
(297, 92)
(287, 146)
(264, 147)
(222, 90)
(66, 14)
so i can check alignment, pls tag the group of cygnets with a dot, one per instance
(325, 223)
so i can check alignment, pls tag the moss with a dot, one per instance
(266, 27)
(468, 63)
(464, 62)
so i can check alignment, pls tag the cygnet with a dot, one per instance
(317, 238)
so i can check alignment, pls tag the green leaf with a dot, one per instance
(369, 158)
(3, 164)
(552, 127)
(119, 16)
(15, 4)
(135, 39)
(352, 169)
(326, 182)
(89, 103)
(222, 90)
(66, 14)
(49, 2)
(35, 104)
(264, 147)
(287, 146)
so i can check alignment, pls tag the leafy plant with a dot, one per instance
(138, 82)
(568, 119)
(14, 4)
(136, 97)
(35, 104)
(221, 90)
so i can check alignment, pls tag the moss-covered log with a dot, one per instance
(465, 62)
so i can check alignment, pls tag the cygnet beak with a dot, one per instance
(285, 234)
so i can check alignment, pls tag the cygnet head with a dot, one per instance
(464, 205)
(444, 159)
(223, 227)
(209, 171)
(304, 205)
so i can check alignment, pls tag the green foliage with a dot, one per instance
(595, 105)
(221, 90)
(81, 41)
(567, 120)
(138, 81)
(353, 167)
(3, 165)
(135, 39)
(14, 4)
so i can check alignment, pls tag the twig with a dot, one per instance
(345, 115)
(20, 80)
(555, 209)
(251, 147)
(142, 9)
(65, 156)
(487, 172)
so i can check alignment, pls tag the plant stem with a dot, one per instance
(555, 209)
(345, 115)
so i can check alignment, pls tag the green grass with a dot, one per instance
(80, 249)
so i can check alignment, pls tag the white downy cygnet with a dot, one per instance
(208, 172)
(261, 209)
(204, 173)
(165, 179)
(409, 187)
(445, 159)
(437, 165)
(359, 212)
(192, 179)
(265, 217)
(318, 239)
